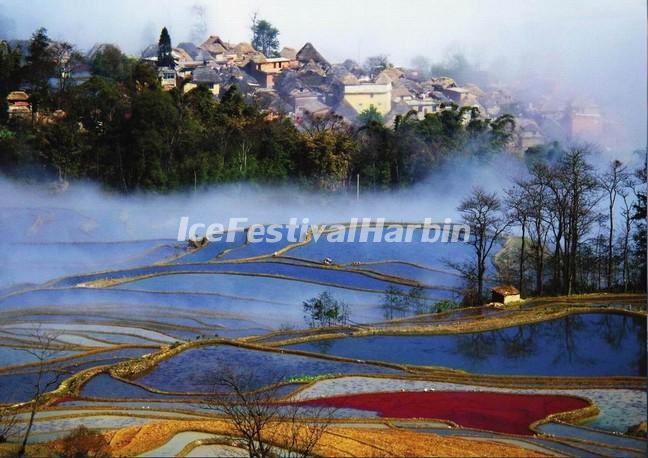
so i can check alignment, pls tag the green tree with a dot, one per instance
(110, 62)
(165, 59)
(327, 145)
(10, 74)
(370, 115)
(143, 76)
(394, 303)
(40, 67)
(376, 64)
(444, 305)
(324, 310)
(265, 37)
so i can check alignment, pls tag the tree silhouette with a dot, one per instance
(165, 59)
(264, 37)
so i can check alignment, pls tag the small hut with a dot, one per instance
(505, 294)
(18, 105)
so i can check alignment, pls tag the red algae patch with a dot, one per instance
(499, 412)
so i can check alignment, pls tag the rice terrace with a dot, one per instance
(236, 248)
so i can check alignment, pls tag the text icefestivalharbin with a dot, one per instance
(362, 230)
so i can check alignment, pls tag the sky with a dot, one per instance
(589, 48)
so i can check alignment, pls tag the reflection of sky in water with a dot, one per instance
(196, 370)
(427, 254)
(578, 345)
(212, 283)
(19, 384)
(37, 263)
(587, 435)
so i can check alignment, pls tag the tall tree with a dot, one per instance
(265, 37)
(611, 181)
(639, 218)
(577, 176)
(536, 191)
(165, 59)
(10, 76)
(516, 200)
(482, 212)
(40, 67)
(626, 213)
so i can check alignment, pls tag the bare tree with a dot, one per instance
(45, 348)
(571, 212)
(612, 181)
(626, 213)
(250, 411)
(577, 175)
(8, 424)
(261, 420)
(482, 212)
(519, 213)
(537, 195)
(303, 435)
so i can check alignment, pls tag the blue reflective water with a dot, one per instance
(213, 249)
(432, 254)
(19, 386)
(578, 345)
(310, 274)
(196, 370)
(40, 262)
(446, 277)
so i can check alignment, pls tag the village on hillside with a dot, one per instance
(296, 82)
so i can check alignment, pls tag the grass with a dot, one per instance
(308, 378)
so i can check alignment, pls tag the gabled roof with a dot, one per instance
(383, 79)
(393, 73)
(189, 48)
(214, 45)
(312, 106)
(308, 53)
(151, 51)
(349, 78)
(181, 55)
(400, 91)
(506, 290)
(288, 53)
(205, 75)
(17, 96)
(244, 48)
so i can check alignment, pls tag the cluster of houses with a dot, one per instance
(301, 82)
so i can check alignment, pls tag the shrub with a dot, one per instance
(83, 442)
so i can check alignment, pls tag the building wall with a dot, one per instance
(512, 298)
(213, 88)
(362, 101)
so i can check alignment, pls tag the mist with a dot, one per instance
(583, 50)
(99, 215)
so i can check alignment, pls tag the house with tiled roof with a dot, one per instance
(18, 105)
(308, 53)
